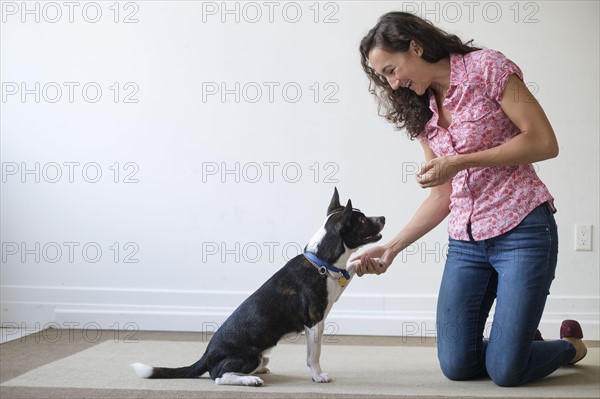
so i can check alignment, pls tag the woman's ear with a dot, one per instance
(416, 48)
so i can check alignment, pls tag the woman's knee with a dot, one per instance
(505, 374)
(466, 367)
(460, 367)
(504, 377)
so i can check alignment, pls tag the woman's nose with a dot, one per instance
(393, 82)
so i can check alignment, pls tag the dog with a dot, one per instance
(297, 297)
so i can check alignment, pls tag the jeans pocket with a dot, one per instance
(537, 230)
(538, 220)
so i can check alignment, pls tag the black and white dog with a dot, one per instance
(297, 297)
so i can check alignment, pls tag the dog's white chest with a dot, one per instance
(335, 288)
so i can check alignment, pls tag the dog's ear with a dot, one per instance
(334, 205)
(346, 214)
(344, 222)
(348, 207)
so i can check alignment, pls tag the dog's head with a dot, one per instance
(345, 229)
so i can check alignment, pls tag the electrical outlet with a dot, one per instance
(583, 237)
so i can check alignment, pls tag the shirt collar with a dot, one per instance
(458, 69)
(458, 75)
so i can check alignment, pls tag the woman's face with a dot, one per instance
(401, 69)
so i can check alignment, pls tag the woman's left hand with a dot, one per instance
(438, 171)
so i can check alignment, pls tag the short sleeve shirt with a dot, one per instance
(488, 200)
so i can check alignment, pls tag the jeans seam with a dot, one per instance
(479, 312)
(549, 238)
(541, 299)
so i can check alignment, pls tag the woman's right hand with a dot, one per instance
(374, 260)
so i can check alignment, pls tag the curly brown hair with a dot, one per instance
(394, 32)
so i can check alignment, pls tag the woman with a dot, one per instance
(480, 129)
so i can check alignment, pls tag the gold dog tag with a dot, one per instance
(343, 282)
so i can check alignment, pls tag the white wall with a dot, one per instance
(169, 231)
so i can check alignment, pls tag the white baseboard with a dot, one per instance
(28, 308)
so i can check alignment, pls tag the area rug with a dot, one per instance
(357, 371)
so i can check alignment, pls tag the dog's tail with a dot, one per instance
(193, 371)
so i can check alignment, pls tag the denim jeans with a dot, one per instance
(515, 269)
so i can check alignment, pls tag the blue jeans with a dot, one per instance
(515, 269)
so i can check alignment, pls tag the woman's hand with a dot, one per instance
(370, 265)
(438, 171)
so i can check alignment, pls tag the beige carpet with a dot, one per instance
(358, 371)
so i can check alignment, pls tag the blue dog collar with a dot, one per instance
(320, 263)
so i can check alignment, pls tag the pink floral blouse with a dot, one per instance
(492, 199)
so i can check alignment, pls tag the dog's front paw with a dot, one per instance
(323, 377)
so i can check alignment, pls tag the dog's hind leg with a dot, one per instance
(235, 370)
(236, 379)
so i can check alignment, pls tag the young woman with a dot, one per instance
(480, 129)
